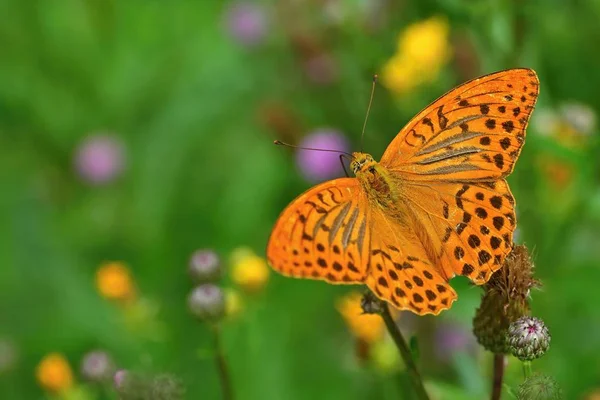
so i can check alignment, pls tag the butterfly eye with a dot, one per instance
(372, 170)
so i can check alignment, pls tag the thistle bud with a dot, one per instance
(97, 366)
(528, 338)
(204, 266)
(539, 387)
(505, 299)
(207, 302)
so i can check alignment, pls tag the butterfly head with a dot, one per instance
(361, 162)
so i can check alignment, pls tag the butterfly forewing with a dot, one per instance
(473, 133)
(323, 234)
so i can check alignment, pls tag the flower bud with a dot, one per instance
(97, 366)
(205, 266)
(539, 387)
(505, 299)
(528, 338)
(207, 302)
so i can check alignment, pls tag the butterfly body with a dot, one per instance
(375, 180)
(436, 205)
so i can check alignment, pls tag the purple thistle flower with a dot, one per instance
(317, 166)
(100, 159)
(246, 23)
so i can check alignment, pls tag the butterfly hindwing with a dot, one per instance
(401, 272)
(323, 234)
(470, 225)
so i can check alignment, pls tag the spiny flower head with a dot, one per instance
(528, 338)
(505, 300)
(539, 387)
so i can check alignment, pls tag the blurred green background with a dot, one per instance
(141, 131)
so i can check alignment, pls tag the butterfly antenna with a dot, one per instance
(280, 143)
(362, 135)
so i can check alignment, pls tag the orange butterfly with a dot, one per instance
(436, 205)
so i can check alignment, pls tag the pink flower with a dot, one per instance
(317, 166)
(100, 159)
(246, 23)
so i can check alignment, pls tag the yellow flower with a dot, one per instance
(53, 373)
(367, 327)
(233, 303)
(249, 271)
(114, 282)
(385, 356)
(426, 42)
(423, 49)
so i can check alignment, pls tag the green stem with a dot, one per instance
(405, 352)
(527, 369)
(222, 365)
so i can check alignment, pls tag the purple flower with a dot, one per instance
(451, 338)
(119, 378)
(317, 166)
(246, 23)
(100, 159)
(97, 366)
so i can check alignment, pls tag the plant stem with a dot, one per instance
(527, 369)
(498, 376)
(222, 365)
(405, 352)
